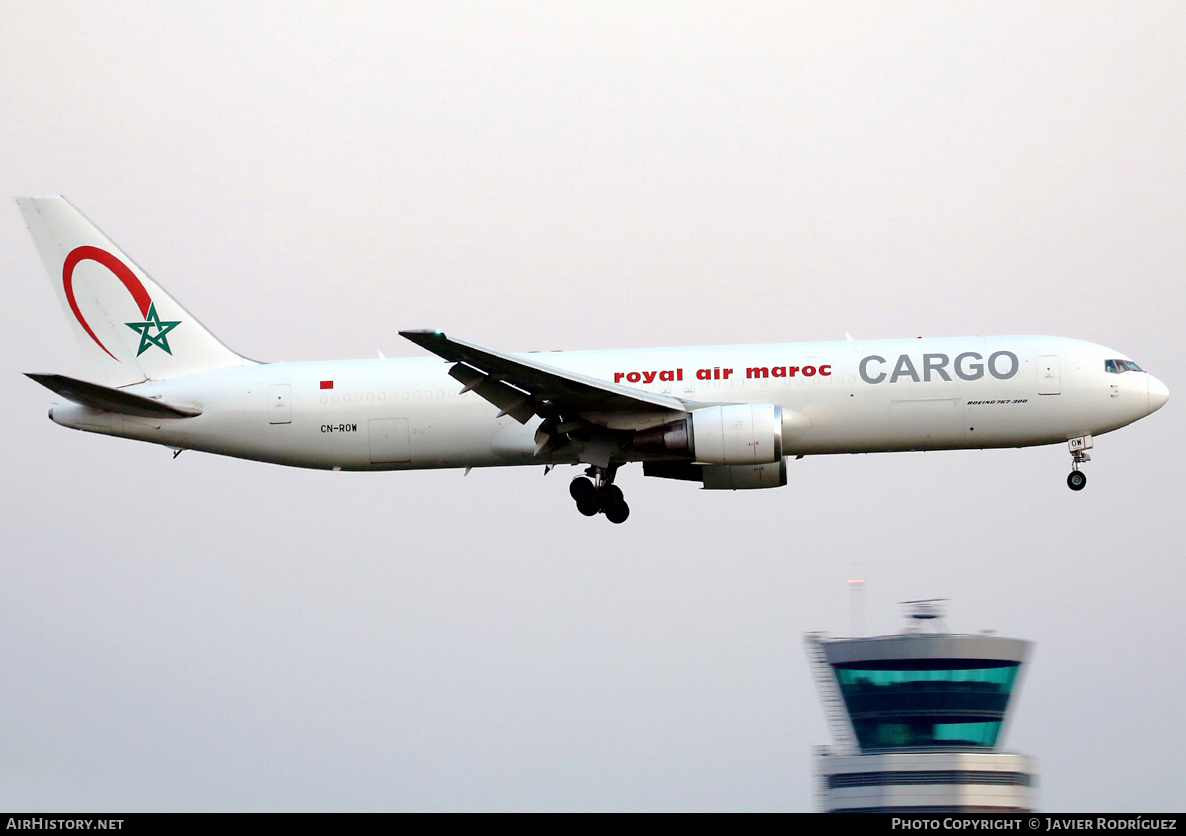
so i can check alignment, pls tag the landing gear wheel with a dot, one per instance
(581, 489)
(595, 493)
(613, 504)
(1077, 481)
(617, 513)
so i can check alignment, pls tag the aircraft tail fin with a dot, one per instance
(129, 328)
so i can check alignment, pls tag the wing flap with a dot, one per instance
(110, 400)
(509, 400)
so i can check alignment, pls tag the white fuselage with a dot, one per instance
(845, 397)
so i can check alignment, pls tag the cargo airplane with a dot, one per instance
(727, 417)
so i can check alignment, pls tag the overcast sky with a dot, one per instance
(211, 634)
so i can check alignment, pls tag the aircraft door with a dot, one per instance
(389, 440)
(927, 424)
(1049, 376)
(280, 403)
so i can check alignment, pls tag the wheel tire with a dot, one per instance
(1077, 481)
(618, 513)
(581, 489)
(611, 495)
(589, 507)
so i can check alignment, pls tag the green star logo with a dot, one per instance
(153, 322)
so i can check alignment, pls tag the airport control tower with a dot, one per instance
(916, 719)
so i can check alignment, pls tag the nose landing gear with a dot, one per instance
(1077, 481)
(599, 494)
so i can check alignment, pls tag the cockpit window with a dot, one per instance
(1118, 366)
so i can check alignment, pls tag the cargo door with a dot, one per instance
(389, 440)
(1049, 376)
(927, 424)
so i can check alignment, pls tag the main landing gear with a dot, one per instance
(599, 494)
(1077, 481)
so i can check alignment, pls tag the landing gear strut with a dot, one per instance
(1077, 481)
(596, 493)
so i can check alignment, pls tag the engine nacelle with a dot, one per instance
(742, 477)
(722, 477)
(741, 434)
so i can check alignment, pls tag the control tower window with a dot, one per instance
(926, 703)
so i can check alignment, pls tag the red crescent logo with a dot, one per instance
(121, 271)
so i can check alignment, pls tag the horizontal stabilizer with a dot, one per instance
(111, 400)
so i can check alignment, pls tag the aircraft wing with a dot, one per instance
(110, 400)
(522, 387)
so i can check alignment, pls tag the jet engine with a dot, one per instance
(735, 434)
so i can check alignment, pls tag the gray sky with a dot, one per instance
(211, 634)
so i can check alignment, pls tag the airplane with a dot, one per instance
(727, 417)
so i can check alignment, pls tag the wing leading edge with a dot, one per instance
(522, 387)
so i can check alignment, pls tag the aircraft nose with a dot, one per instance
(1159, 393)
